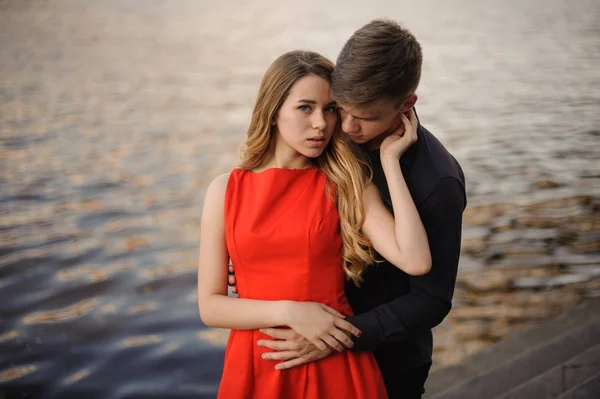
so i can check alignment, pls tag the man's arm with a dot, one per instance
(430, 296)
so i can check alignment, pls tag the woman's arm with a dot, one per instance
(401, 238)
(216, 308)
(318, 323)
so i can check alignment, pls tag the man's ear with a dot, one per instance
(409, 103)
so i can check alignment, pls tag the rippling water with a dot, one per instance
(114, 116)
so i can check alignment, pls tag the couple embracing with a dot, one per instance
(342, 224)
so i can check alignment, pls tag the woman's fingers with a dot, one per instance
(342, 337)
(346, 326)
(341, 323)
(280, 333)
(332, 311)
(333, 343)
(412, 116)
(413, 122)
(407, 123)
(410, 133)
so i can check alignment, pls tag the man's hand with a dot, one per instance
(231, 280)
(292, 348)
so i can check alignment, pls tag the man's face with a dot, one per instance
(371, 124)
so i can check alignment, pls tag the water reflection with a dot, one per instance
(139, 341)
(142, 308)
(17, 372)
(76, 377)
(62, 315)
(93, 273)
(8, 336)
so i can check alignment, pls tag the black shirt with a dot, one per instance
(395, 311)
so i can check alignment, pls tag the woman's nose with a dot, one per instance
(319, 121)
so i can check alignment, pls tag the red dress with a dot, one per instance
(283, 239)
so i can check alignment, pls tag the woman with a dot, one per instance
(294, 218)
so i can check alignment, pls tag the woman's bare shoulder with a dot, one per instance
(215, 193)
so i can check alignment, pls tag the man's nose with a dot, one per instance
(349, 124)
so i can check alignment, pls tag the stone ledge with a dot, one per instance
(521, 357)
(561, 378)
(589, 389)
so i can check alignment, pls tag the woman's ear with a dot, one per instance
(274, 120)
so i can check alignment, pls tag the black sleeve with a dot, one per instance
(430, 296)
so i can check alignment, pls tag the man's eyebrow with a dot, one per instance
(370, 116)
(374, 115)
(366, 115)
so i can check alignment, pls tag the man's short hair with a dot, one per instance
(380, 60)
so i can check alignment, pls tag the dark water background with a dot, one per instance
(115, 115)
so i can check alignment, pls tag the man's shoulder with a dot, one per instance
(434, 158)
(433, 163)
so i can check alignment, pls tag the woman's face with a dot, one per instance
(307, 118)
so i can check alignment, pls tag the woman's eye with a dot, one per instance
(331, 109)
(304, 107)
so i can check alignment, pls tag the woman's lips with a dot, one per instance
(317, 142)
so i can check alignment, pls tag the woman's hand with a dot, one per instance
(323, 326)
(401, 139)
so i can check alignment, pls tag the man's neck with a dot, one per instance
(375, 143)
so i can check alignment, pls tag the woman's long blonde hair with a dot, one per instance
(340, 165)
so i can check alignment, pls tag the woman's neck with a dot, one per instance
(285, 157)
(299, 163)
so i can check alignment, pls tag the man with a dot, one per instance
(374, 83)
